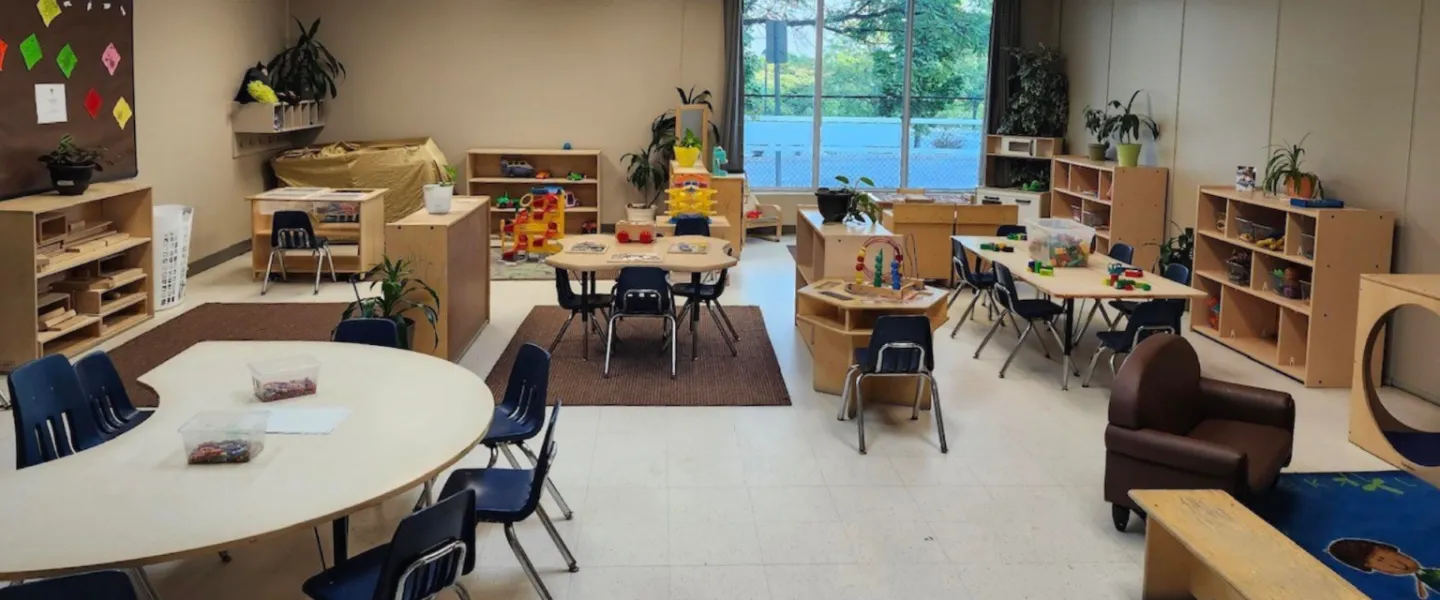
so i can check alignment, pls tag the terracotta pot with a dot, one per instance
(1306, 188)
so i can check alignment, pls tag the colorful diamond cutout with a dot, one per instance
(67, 60)
(111, 58)
(123, 113)
(3, 48)
(31, 49)
(49, 9)
(93, 103)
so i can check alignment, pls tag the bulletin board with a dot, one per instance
(66, 68)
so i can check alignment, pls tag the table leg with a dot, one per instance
(1069, 339)
(340, 530)
(585, 280)
(695, 318)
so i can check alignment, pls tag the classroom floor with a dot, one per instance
(774, 502)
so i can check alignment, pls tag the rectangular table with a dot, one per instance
(1073, 283)
(1204, 544)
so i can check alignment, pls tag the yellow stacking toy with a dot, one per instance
(691, 200)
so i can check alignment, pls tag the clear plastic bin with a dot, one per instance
(224, 437)
(1251, 231)
(1059, 242)
(1299, 291)
(282, 378)
(1307, 245)
(1237, 272)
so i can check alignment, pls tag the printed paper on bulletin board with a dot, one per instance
(85, 46)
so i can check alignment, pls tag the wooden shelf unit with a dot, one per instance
(1124, 204)
(1310, 340)
(482, 168)
(258, 117)
(121, 299)
(357, 245)
(452, 253)
(1000, 149)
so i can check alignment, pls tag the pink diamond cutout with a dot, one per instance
(111, 58)
(92, 103)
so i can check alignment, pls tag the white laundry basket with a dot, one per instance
(172, 253)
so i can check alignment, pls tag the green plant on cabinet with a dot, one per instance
(861, 203)
(1283, 173)
(396, 285)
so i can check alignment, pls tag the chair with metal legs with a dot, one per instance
(1175, 272)
(509, 496)
(1125, 253)
(642, 292)
(900, 346)
(292, 230)
(981, 284)
(429, 553)
(570, 301)
(1148, 318)
(370, 331)
(1043, 312)
(708, 295)
(521, 413)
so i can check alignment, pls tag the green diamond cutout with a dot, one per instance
(30, 48)
(67, 60)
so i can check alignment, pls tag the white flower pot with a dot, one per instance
(438, 197)
(643, 214)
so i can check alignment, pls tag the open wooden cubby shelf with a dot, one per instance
(1303, 322)
(1123, 204)
(485, 178)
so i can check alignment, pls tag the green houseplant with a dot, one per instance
(1127, 124)
(649, 174)
(847, 202)
(1283, 172)
(1098, 124)
(687, 150)
(1179, 249)
(396, 289)
(72, 166)
(307, 69)
(1040, 101)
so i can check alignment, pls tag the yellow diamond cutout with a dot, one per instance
(123, 113)
(49, 9)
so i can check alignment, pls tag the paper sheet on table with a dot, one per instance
(308, 420)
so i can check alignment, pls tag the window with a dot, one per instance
(901, 88)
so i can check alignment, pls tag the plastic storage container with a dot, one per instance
(282, 378)
(224, 437)
(1307, 245)
(1250, 231)
(1238, 272)
(1060, 242)
(1300, 290)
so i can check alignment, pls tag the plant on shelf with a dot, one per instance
(847, 202)
(649, 174)
(306, 70)
(1126, 124)
(1040, 103)
(439, 195)
(687, 150)
(396, 288)
(72, 166)
(1098, 124)
(1283, 172)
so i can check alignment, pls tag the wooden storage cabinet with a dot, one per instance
(485, 178)
(1123, 204)
(80, 270)
(1009, 149)
(451, 253)
(357, 242)
(1306, 337)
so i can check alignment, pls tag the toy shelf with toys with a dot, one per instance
(1282, 281)
(1122, 204)
(507, 175)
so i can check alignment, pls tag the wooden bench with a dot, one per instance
(1203, 544)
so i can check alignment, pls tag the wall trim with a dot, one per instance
(219, 257)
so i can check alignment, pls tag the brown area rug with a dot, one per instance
(297, 322)
(640, 374)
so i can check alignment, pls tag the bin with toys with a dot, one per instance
(1059, 242)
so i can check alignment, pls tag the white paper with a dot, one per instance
(50, 103)
(307, 420)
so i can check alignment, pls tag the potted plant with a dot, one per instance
(439, 195)
(396, 287)
(1128, 124)
(73, 166)
(847, 202)
(649, 175)
(307, 69)
(1040, 104)
(1098, 124)
(687, 150)
(1179, 249)
(1283, 171)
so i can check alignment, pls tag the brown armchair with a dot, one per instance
(1170, 428)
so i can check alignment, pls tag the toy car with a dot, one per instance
(575, 176)
(510, 167)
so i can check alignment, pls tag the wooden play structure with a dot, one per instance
(537, 229)
(1372, 427)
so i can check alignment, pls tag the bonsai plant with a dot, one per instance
(1283, 170)
(73, 166)
(1040, 102)
(439, 195)
(1127, 124)
(687, 150)
(306, 70)
(396, 288)
(649, 174)
(847, 202)
(1098, 124)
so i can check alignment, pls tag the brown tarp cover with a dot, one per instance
(401, 166)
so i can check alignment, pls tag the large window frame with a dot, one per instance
(817, 176)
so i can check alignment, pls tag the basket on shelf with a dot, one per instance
(1251, 231)
(1300, 290)
(1238, 272)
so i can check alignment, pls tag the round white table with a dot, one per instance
(135, 501)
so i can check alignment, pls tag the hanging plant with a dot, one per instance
(308, 69)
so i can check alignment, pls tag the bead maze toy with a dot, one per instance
(537, 229)
(872, 282)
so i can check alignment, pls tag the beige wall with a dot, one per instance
(189, 58)
(518, 73)
(1225, 78)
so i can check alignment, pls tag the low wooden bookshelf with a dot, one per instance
(78, 272)
(1002, 151)
(485, 178)
(1123, 204)
(1305, 331)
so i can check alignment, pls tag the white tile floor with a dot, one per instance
(774, 502)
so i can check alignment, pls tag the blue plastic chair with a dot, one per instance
(1122, 252)
(292, 230)
(1006, 230)
(521, 413)
(981, 284)
(46, 394)
(431, 550)
(1149, 318)
(900, 346)
(569, 300)
(369, 331)
(692, 225)
(1043, 312)
(106, 392)
(100, 585)
(708, 295)
(1175, 272)
(642, 292)
(509, 496)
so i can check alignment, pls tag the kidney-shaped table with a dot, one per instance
(135, 501)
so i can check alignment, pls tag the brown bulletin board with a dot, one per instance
(88, 28)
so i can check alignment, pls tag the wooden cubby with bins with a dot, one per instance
(1304, 328)
(485, 179)
(1003, 149)
(1123, 204)
(87, 259)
